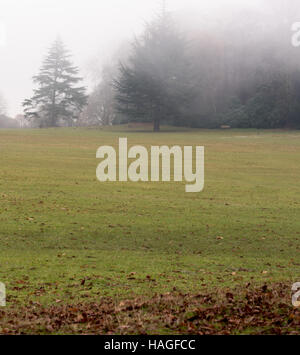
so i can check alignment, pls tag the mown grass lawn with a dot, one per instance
(67, 238)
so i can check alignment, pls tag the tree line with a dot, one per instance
(241, 73)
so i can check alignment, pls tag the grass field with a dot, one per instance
(68, 239)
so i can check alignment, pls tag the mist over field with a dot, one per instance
(97, 31)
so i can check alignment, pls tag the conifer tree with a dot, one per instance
(155, 84)
(57, 98)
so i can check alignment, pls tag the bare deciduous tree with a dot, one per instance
(100, 109)
(2, 105)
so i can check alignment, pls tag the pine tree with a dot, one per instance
(57, 97)
(155, 85)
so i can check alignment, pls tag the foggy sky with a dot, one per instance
(89, 28)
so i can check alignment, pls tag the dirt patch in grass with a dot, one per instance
(263, 310)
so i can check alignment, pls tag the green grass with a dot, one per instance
(60, 226)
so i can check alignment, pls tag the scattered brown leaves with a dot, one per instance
(264, 310)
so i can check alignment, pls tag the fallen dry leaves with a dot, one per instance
(264, 310)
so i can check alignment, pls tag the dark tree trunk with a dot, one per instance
(157, 125)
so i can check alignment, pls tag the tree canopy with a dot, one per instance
(57, 99)
(155, 84)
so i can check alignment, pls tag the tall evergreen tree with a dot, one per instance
(155, 85)
(57, 97)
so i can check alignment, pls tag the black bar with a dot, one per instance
(146, 344)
